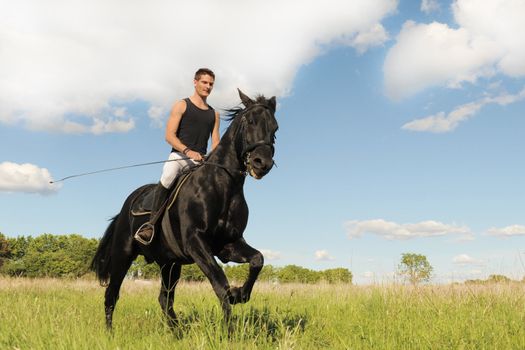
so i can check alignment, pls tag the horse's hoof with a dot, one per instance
(235, 295)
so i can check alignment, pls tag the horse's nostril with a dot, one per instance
(259, 163)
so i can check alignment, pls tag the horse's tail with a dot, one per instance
(101, 262)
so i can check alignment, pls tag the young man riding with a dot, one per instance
(191, 123)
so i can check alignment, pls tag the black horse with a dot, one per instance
(206, 218)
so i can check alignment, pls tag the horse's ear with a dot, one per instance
(246, 101)
(272, 103)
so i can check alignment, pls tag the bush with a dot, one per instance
(70, 256)
(4, 249)
(50, 256)
(141, 269)
(297, 274)
(338, 275)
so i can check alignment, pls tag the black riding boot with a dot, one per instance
(145, 232)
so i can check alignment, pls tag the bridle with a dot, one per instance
(247, 148)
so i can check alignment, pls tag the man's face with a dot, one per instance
(204, 85)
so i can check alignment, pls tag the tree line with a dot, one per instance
(69, 256)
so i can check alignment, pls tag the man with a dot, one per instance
(191, 123)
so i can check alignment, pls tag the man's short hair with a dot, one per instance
(204, 71)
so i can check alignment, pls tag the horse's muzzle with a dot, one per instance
(259, 162)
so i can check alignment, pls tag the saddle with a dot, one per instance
(143, 204)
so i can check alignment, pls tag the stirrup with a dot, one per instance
(139, 239)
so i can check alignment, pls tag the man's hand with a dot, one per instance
(196, 156)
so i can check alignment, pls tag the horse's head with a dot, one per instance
(258, 127)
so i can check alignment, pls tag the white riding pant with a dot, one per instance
(174, 167)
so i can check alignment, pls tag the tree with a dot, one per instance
(192, 273)
(70, 255)
(237, 273)
(18, 246)
(141, 269)
(498, 279)
(297, 274)
(4, 249)
(338, 275)
(50, 255)
(415, 268)
(268, 274)
(491, 279)
(13, 262)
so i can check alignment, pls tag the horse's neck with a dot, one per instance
(228, 151)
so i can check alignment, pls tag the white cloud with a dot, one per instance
(374, 36)
(26, 177)
(464, 259)
(499, 21)
(441, 122)
(271, 255)
(322, 255)
(157, 115)
(394, 231)
(428, 6)
(67, 70)
(98, 126)
(435, 54)
(508, 231)
(101, 127)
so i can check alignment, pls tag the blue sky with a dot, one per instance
(401, 122)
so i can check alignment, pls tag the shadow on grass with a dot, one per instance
(250, 324)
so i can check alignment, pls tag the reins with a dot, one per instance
(230, 171)
(149, 163)
(246, 149)
(118, 168)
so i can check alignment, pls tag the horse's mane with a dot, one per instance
(234, 112)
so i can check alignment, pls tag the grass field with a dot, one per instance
(62, 314)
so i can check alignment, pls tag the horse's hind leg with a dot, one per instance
(170, 276)
(119, 268)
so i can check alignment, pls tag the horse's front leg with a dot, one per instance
(240, 252)
(201, 253)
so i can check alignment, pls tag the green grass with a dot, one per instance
(62, 314)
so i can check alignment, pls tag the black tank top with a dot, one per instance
(195, 127)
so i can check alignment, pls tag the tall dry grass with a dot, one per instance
(68, 314)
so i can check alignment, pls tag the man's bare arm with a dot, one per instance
(173, 125)
(215, 135)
